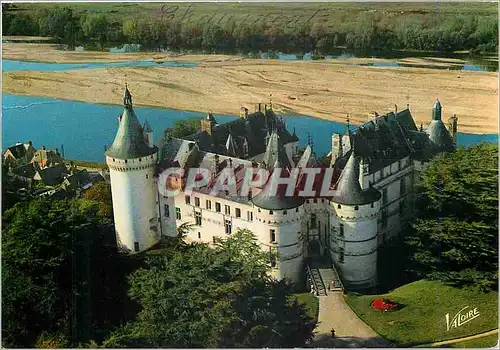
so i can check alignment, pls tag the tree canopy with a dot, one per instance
(456, 236)
(198, 296)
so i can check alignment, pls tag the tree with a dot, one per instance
(96, 26)
(62, 276)
(101, 193)
(61, 23)
(131, 30)
(198, 296)
(456, 236)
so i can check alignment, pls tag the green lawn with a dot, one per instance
(330, 13)
(422, 318)
(311, 304)
(484, 342)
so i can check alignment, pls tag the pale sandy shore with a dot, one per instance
(321, 89)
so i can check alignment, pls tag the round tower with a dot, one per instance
(132, 164)
(355, 228)
(278, 224)
(278, 218)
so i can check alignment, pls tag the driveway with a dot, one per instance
(350, 330)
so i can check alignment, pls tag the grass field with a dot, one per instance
(289, 14)
(311, 304)
(422, 318)
(484, 342)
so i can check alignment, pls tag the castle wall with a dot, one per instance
(395, 204)
(213, 223)
(134, 196)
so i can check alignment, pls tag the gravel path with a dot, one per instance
(350, 330)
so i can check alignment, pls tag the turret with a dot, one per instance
(355, 228)
(437, 132)
(134, 191)
(436, 111)
(278, 224)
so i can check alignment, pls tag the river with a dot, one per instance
(85, 128)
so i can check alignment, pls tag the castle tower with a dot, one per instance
(278, 226)
(132, 164)
(355, 228)
(437, 131)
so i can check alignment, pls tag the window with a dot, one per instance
(188, 200)
(341, 230)
(297, 210)
(125, 161)
(136, 247)
(196, 201)
(199, 235)
(197, 218)
(147, 176)
(217, 207)
(166, 210)
(384, 196)
(339, 206)
(284, 212)
(238, 212)
(214, 239)
(402, 207)
(356, 207)
(178, 213)
(341, 255)
(208, 204)
(402, 186)
(249, 216)
(227, 209)
(272, 236)
(271, 212)
(315, 200)
(371, 205)
(313, 221)
(228, 226)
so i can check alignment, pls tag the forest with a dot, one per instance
(250, 29)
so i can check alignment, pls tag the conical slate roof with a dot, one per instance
(270, 199)
(129, 140)
(437, 131)
(349, 191)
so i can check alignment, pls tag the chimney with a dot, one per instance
(30, 143)
(216, 161)
(207, 125)
(259, 107)
(43, 147)
(453, 128)
(407, 106)
(395, 108)
(246, 112)
(230, 162)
